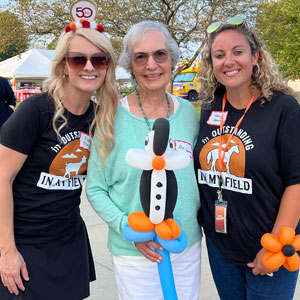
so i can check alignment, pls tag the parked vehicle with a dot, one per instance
(186, 83)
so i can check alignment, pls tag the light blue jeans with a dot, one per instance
(238, 283)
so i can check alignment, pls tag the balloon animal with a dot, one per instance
(158, 194)
(281, 250)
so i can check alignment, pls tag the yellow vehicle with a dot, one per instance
(185, 84)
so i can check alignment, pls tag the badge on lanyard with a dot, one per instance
(220, 211)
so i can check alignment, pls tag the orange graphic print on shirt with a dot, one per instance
(233, 168)
(234, 159)
(68, 169)
(70, 161)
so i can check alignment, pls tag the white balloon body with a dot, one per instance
(158, 206)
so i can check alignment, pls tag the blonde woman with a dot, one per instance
(45, 251)
(247, 162)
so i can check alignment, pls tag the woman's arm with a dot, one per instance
(289, 210)
(288, 215)
(9, 95)
(97, 191)
(12, 264)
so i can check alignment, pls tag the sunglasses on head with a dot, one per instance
(216, 25)
(141, 58)
(78, 60)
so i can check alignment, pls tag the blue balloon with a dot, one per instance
(137, 236)
(174, 245)
(166, 275)
(164, 267)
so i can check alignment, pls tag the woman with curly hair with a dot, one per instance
(45, 146)
(247, 162)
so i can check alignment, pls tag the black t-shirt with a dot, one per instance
(7, 98)
(47, 189)
(262, 160)
(6, 93)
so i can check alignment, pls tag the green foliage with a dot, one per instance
(126, 90)
(197, 106)
(185, 19)
(278, 23)
(14, 39)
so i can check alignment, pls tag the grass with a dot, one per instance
(197, 106)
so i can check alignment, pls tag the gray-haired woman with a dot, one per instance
(149, 54)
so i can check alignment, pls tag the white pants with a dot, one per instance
(142, 282)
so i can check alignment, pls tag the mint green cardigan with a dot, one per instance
(113, 189)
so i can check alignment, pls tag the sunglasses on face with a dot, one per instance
(141, 58)
(78, 60)
(216, 25)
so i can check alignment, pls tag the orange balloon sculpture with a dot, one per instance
(281, 250)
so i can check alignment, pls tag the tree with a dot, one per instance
(278, 23)
(186, 20)
(14, 39)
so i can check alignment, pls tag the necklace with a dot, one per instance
(222, 150)
(143, 112)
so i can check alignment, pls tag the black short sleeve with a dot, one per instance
(23, 127)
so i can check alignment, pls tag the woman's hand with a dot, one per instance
(12, 265)
(288, 215)
(257, 266)
(144, 248)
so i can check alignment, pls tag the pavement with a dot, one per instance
(104, 288)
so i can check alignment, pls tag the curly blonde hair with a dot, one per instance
(265, 74)
(107, 95)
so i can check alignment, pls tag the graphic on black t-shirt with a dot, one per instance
(233, 170)
(69, 165)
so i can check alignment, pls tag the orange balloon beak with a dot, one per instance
(158, 163)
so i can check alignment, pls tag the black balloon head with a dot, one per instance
(161, 129)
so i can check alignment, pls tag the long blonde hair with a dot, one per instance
(265, 74)
(107, 95)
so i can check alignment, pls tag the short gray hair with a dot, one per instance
(137, 30)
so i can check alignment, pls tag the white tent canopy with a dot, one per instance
(32, 65)
(122, 75)
(35, 66)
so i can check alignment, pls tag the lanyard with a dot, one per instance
(222, 155)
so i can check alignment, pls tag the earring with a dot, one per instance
(65, 77)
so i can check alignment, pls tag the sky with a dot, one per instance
(2, 3)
